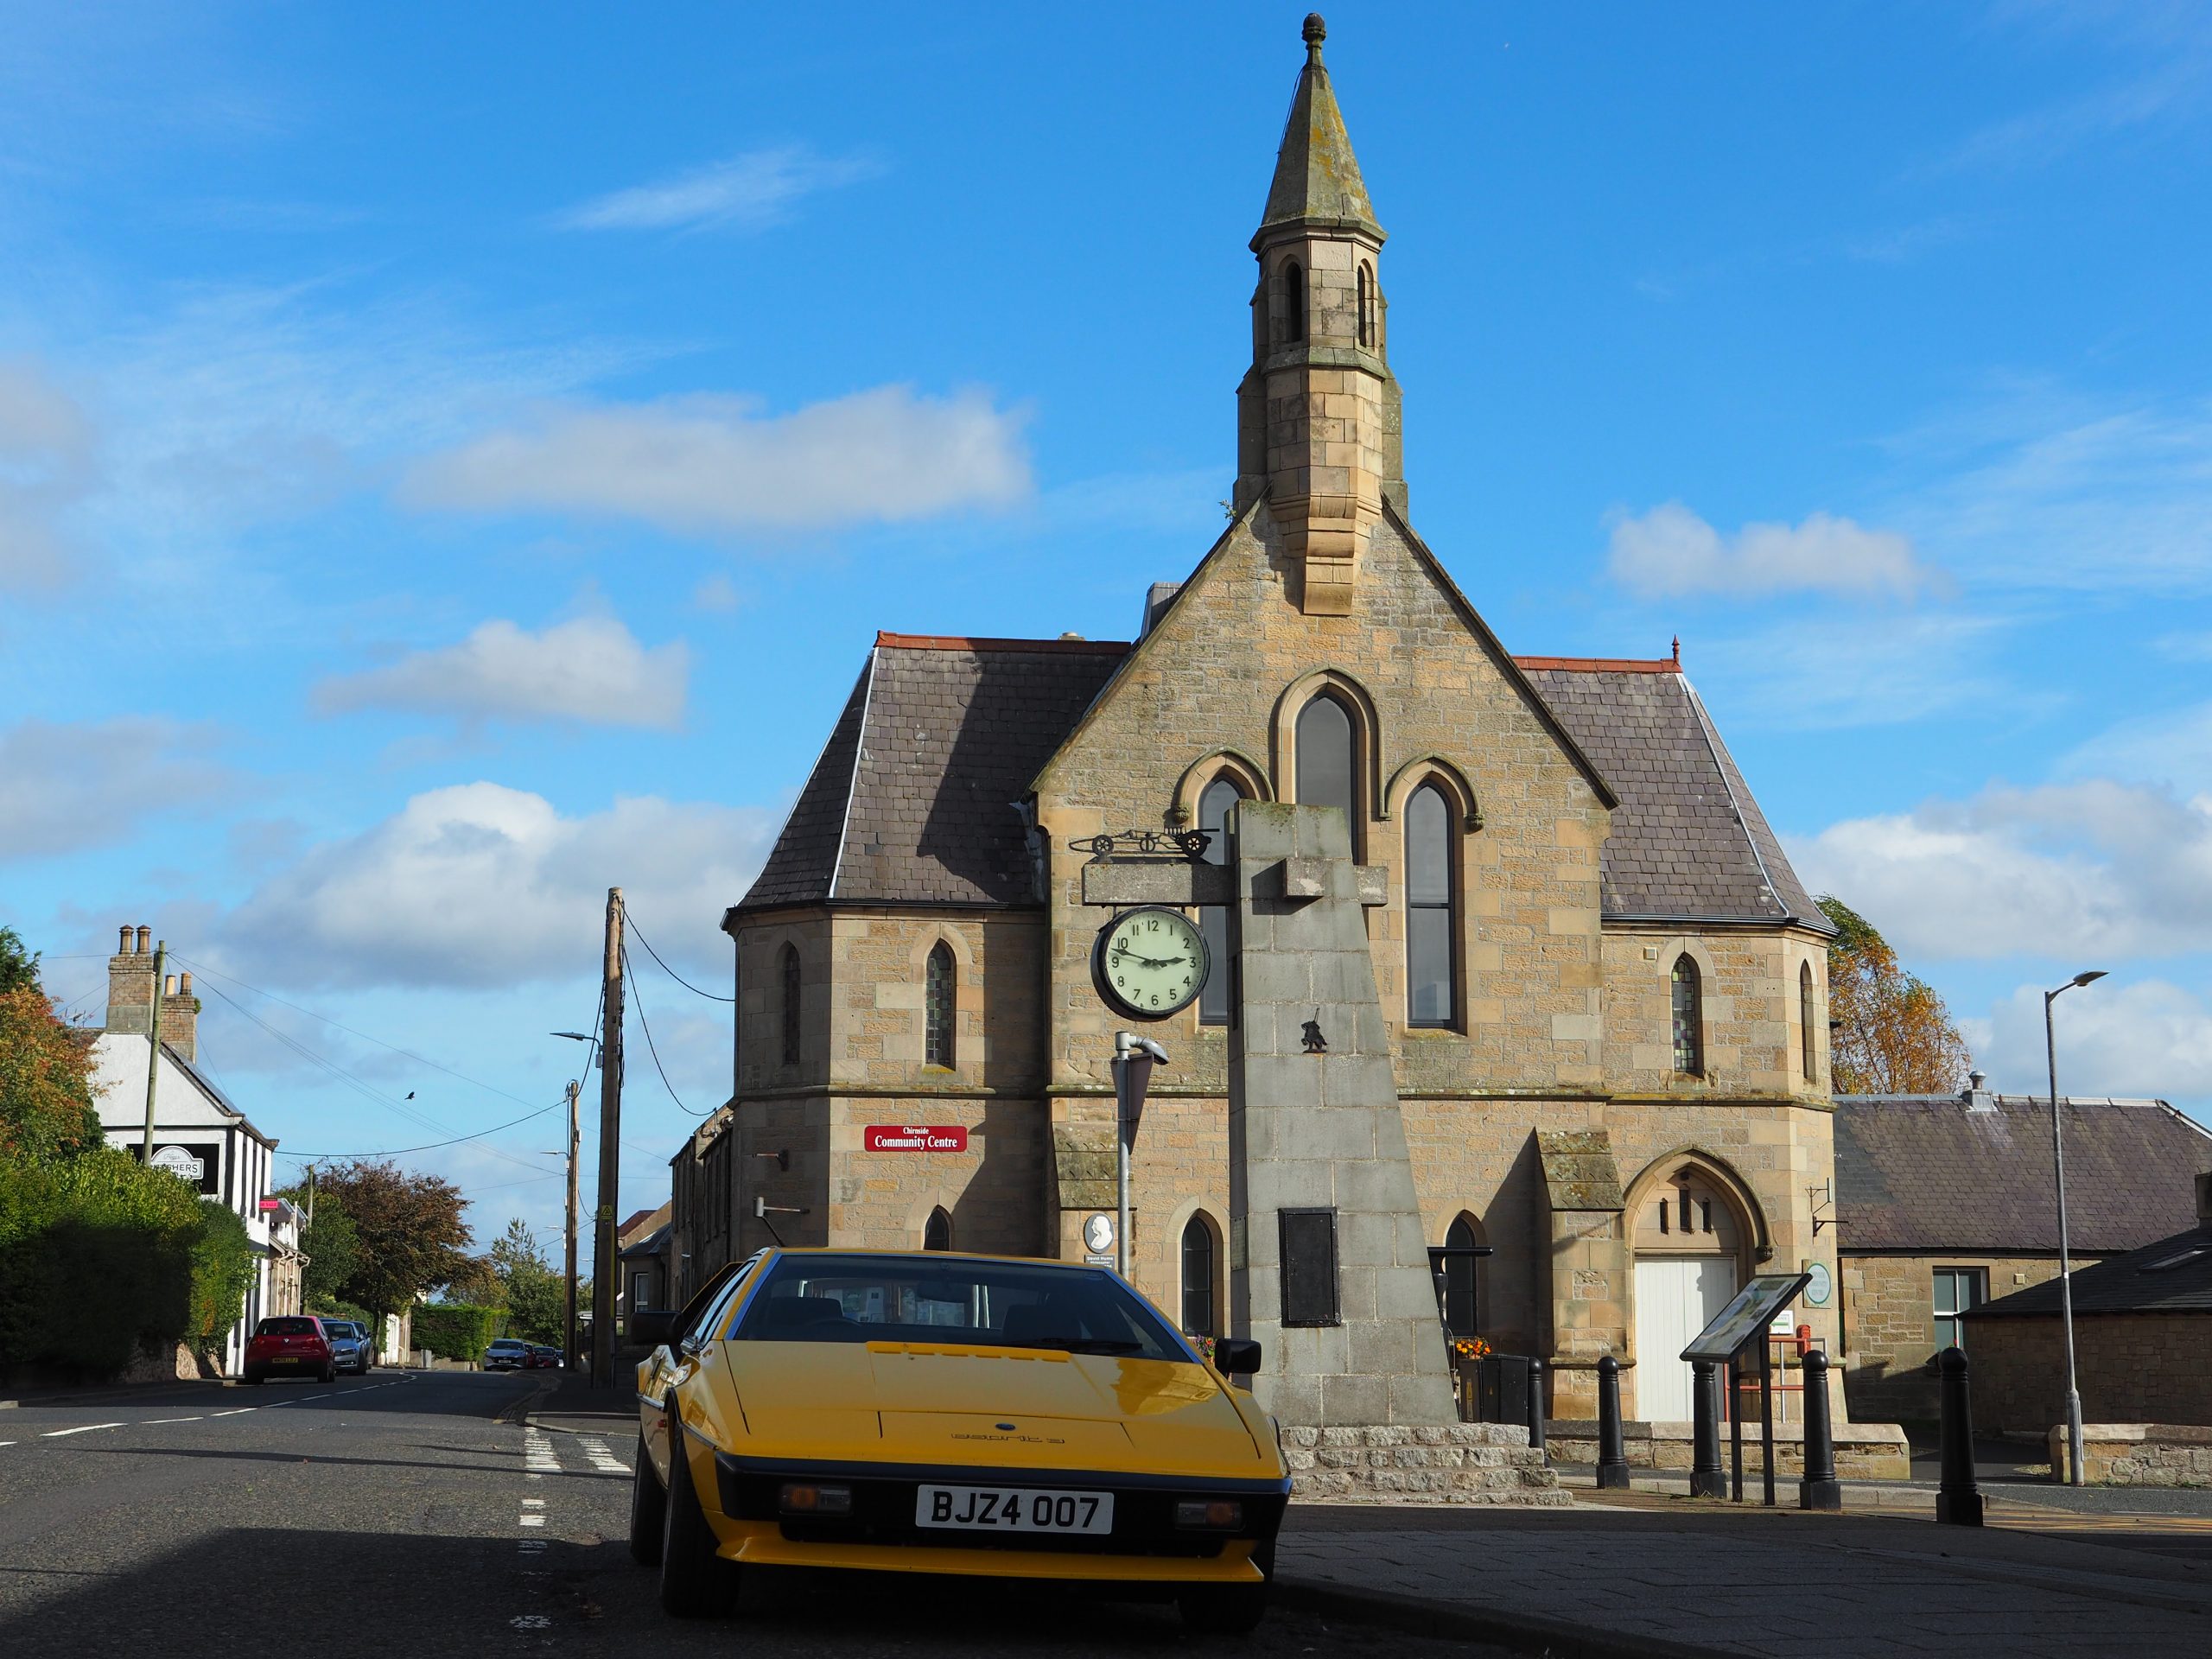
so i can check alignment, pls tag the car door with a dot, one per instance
(664, 1371)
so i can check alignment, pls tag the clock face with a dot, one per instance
(1150, 963)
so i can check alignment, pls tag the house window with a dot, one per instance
(1957, 1289)
(1294, 303)
(937, 1231)
(1460, 1312)
(1430, 934)
(1215, 995)
(937, 1007)
(1197, 1279)
(790, 1005)
(1326, 776)
(1366, 303)
(1805, 1019)
(1689, 1019)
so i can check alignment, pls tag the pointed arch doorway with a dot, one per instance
(1692, 1234)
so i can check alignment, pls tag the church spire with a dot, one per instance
(1317, 428)
(1317, 179)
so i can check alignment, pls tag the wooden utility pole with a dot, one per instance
(153, 1051)
(606, 1269)
(569, 1330)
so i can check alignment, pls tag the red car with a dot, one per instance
(291, 1345)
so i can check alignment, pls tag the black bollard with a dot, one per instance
(1819, 1489)
(1958, 1499)
(1706, 1478)
(1536, 1403)
(1612, 1450)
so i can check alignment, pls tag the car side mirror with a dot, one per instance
(1237, 1356)
(652, 1326)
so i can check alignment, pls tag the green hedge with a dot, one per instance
(99, 1257)
(330, 1307)
(455, 1330)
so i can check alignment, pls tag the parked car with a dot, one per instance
(368, 1346)
(289, 1345)
(348, 1353)
(543, 1359)
(962, 1414)
(506, 1354)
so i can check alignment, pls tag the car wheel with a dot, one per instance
(648, 1510)
(329, 1374)
(257, 1378)
(694, 1582)
(1224, 1609)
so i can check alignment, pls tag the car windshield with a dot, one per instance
(1007, 1304)
(288, 1327)
(508, 1346)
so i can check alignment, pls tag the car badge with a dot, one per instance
(1003, 1428)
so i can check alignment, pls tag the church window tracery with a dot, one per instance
(1366, 303)
(1214, 921)
(1197, 1264)
(1325, 773)
(1805, 1019)
(1431, 933)
(1689, 1018)
(1294, 303)
(939, 1001)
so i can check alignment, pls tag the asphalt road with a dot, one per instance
(411, 1514)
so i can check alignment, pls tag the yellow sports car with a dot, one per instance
(917, 1412)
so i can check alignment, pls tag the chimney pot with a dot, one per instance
(145, 938)
(169, 985)
(184, 985)
(123, 940)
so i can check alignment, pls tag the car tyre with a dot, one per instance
(1223, 1609)
(329, 1374)
(648, 1509)
(694, 1582)
(257, 1378)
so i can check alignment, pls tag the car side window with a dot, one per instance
(705, 1321)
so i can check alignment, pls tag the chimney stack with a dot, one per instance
(181, 1017)
(1977, 1096)
(130, 983)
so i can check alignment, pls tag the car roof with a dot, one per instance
(804, 1250)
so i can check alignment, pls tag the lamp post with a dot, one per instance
(2074, 1469)
(569, 1241)
(1134, 1058)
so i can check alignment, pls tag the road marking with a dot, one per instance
(7, 1442)
(56, 1434)
(601, 1460)
(235, 1411)
(533, 1503)
(151, 1422)
(533, 1622)
(531, 1520)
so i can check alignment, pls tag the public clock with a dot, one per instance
(1150, 961)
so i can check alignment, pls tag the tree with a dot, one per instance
(475, 1282)
(332, 1244)
(534, 1294)
(46, 1068)
(1892, 1034)
(409, 1234)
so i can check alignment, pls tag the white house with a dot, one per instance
(198, 1133)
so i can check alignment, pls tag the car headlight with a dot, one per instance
(814, 1497)
(1210, 1514)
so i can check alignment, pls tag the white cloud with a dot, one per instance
(716, 592)
(1874, 669)
(1670, 550)
(46, 465)
(480, 885)
(2174, 749)
(65, 787)
(591, 670)
(719, 465)
(2090, 871)
(2148, 1037)
(746, 192)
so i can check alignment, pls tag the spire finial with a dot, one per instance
(1315, 32)
(1678, 651)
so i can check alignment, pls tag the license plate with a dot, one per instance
(994, 1508)
(288, 1362)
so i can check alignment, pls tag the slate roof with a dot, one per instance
(2173, 1275)
(1688, 839)
(914, 799)
(1926, 1175)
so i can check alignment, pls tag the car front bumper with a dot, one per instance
(1145, 1547)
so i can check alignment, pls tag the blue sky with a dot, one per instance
(453, 459)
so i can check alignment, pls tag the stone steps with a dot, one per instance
(1457, 1463)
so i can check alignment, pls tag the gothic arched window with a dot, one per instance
(939, 1004)
(790, 966)
(1430, 934)
(1214, 996)
(1326, 776)
(1366, 303)
(1461, 1312)
(1805, 1050)
(937, 1231)
(1294, 303)
(1197, 1279)
(1689, 1018)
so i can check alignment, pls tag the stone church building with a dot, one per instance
(1605, 986)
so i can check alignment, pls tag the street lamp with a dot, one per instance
(2074, 1469)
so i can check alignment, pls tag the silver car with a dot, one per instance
(506, 1354)
(349, 1354)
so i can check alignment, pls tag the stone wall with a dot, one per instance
(1863, 1450)
(2134, 1368)
(2137, 1454)
(1460, 1462)
(1889, 1339)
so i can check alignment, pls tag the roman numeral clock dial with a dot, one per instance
(1150, 963)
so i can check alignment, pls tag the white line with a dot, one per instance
(531, 1520)
(7, 1442)
(56, 1434)
(234, 1411)
(150, 1421)
(533, 1503)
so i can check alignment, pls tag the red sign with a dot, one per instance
(915, 1137)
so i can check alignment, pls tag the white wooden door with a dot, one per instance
(1676, 1297)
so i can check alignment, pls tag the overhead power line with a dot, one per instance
(639, 1003)
(631, 917)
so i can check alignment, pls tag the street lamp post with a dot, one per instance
(568, 1252)
(2074, 1459)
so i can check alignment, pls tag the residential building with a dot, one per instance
(1605, 987)
(198, 1132)
(1944, 1202)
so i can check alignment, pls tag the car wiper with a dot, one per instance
(1083, 1344)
